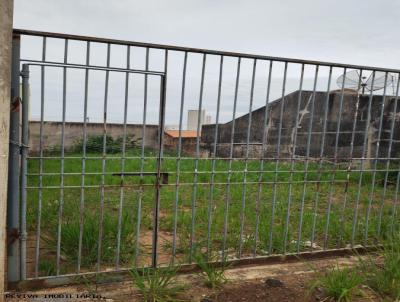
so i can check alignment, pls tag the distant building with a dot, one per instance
(193, 119)
(188, 141)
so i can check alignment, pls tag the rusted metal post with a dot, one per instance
(13, 218)
(6, 17)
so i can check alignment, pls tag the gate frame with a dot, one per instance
(24, 147)
(267, 259)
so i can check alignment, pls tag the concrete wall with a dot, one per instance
(288, 127)
(74, 133)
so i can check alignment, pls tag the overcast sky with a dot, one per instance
(346, 31)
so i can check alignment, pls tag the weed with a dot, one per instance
(213, 275)
(382, 272)
(339, 284)
(157, 285)
(92, 286)
(47, 268)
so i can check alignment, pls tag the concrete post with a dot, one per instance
(6, 21)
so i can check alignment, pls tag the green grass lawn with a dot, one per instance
(242, 214)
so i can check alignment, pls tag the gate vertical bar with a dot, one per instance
(61, 203)
(214, 155)
(178, 160)
(103, 161)
(307, 163)
(371, 193)
(196, 164)
(362, 164)
(320, 162)
(349, 167)
(335, 164)
(83, 163)
(161, 123)
(123, 157)
(158, 178)
(264, 145)
(277, 157)
(243, 214)
(13, 164)
(144, 119)
(40, 184)
(24, 166)
(293, 152)
(228, 198)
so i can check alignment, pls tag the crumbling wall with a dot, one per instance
(291, 141)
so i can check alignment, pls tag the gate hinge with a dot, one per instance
(20, 146)
(15, 104)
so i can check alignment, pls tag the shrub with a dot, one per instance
(94, 144)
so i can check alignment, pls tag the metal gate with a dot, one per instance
(111, 179)
(62, 187)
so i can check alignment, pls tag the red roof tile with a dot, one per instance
(184, 133)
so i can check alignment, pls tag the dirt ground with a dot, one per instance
(273, 282)
(288, 288)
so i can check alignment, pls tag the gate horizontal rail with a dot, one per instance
(194, 50)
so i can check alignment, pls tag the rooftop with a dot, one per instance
(184, 133)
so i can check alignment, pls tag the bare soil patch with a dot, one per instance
(287, 288)
(282, 282)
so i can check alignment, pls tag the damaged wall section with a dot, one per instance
(290, 103)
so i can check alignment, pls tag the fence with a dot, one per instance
(310, 175)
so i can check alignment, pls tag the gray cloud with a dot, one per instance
(348, 31)
(342, 31)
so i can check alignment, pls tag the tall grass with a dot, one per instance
(157, 285)
(339, 284)
(212, 274)
(316, 200)
(378, 271)
(382, 270)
